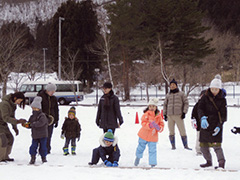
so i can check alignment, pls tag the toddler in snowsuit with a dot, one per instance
(38, 122)
(152, 123)
(71, 131)
(108, 150)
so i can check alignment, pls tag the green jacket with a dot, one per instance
(7, 113)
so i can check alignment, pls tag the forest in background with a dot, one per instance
(129, 41)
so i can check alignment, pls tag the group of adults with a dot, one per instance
(8, 107)
(211, 114)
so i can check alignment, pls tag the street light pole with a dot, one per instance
(59, 47)
(44, 63)
(97, 71)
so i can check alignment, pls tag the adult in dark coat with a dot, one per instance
(7, 115)
(50, 108)
(212, 111)
(109, 114)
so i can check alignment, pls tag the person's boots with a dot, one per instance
(221, 164)
(136, 162)
(172, 140)
(32, 161)
(65, 151)
(44, 159)
(207, 164)
(185, 143)
(73, 150)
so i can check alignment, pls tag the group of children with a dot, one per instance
(108, 151)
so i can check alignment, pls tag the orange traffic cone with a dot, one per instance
(162, 114)
(136, 119)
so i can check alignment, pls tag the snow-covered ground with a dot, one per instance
(75, 167)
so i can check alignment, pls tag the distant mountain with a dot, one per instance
(30, 11)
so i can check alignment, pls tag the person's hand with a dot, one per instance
(21, 121)
(165, 117)
(204, 122)
(108, 163)
(183, 115)
(16, 130)
(235, 130)
(216, 131)
(194, 123)
(27, 125)
(56, 124)
(115, 164)
(78, 138)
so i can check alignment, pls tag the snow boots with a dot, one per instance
(44, 159)
(73, 150)
(185, 143)
(33, 159)
(172, 141)
(136, 162)
(65, 151)
(207, 164)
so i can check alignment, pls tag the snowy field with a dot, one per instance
(181, 162)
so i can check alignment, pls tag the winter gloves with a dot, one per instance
(27, 125)
(194, 123)
(165, 117)
(183, 115)
(204, 122)
(235, 130)
(109, 164)
(216, 131)
(154, 125)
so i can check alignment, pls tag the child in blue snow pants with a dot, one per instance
(43, 147)
(152, 150)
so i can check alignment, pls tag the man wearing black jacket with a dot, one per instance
(109, 114)
(50, 108)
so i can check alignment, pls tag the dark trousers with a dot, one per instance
(67, 141)
(96, 156)
(42, 143)
(50, 131)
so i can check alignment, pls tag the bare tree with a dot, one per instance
(70, 72)
(12, 44)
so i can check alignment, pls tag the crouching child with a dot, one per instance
(108, 150)
(38, 122)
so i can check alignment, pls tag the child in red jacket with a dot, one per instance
(152, 123)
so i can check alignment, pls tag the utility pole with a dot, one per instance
(44, 63)
(59, 48)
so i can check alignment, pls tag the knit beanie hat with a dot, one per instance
(216, 82)
(107, 85)
(72, 110)
(109, 136)
(173, 81)
(37, 102)
(153, 101)
(51, 87)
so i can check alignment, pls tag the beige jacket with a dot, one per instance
(175, 104)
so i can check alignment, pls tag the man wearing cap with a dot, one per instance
(108, 115)
(7, 115)
(175, 108)
(50, 108)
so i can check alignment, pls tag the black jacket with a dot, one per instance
(49, 105)
(109, 112)
(71, 128)
(206, 108)
(39, 125)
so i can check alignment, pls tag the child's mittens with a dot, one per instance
(27, 125)
(154, 125)
(108, 163)
(115, 164)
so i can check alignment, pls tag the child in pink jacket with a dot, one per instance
(152, 123)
